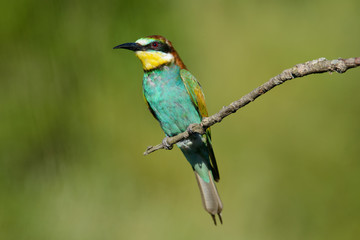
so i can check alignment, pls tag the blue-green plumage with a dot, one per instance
(172, 106)
(176, 100)
(167, 96)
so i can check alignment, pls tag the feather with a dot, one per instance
(210, 197)
(196, 94)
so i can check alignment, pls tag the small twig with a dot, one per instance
(300, 70)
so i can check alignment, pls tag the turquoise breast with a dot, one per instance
(169, 100)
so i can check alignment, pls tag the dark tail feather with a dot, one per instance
(210, 196)
(214, 167)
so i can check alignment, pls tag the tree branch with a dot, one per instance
(300, 70)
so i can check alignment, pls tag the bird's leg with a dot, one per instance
(166, 144)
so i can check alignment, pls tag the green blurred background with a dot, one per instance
(73, 124)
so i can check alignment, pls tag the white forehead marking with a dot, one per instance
(144, 41)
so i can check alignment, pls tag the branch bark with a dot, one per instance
(320, 65)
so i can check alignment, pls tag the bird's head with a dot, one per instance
(153, 51)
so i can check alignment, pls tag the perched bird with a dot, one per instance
(176, 100)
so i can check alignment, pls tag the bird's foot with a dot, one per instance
(191, 127)
(196, 128)
(166, 144)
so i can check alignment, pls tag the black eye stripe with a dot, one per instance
(163, 47)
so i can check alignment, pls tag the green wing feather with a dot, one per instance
(196, 94)
(195, 91)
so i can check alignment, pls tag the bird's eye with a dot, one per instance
(155, 44)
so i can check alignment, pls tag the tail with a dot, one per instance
(210, 196)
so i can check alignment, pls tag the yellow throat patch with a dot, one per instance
(154, 59)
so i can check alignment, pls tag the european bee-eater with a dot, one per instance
(176, 100)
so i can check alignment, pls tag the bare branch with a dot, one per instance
(300, 70)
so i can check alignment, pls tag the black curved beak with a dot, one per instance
(130, 46)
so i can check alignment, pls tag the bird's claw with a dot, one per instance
(166, 144)
(190, 127)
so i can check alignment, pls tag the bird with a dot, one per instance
(175, 98)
